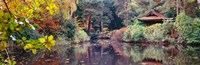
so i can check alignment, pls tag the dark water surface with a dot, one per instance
(100, 52)
(87, 54)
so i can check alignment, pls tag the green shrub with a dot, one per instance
(70, 31)
(154, 33)
(183, 26)
(168, 29)
(194, 37)
(137, 22)
(134, 33)
(69, 28)
(159, 32)
(188, 29)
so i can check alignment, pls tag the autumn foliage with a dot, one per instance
(47, 24)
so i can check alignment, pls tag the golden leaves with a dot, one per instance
(32, 8)
(52, 0)
(34, 51)
(42, 40)
(29, 13)
(42, 1)
(51, 42)
(48, 42)
(3, 45)
(31, 47)
(50, 38)
(29, 0)
(21, 10)
(45, 42)
(28, 46)
(52, 9)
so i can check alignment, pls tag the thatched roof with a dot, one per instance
(152, 16)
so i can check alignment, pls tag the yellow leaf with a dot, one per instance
(42, 40)
(51, 0)
(34, 51)
(50, 38)
(29, 0)
(48, 8)
(3, 45)
(28, 46)
(48, 46)
(52, 8)
(42, 1)
(1, 27)
(4, 33)
(52, 43)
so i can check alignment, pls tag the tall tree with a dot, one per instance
(144, 6)
(96, 11)
(124, 10)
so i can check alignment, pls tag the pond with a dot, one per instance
(106, 52)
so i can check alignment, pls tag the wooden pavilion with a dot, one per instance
(152, 17)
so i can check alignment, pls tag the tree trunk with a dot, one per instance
(126, 21)
(177, 7)
(89, 24)
(184, 6)
(102, 27)
(73, 15)
(89, 56)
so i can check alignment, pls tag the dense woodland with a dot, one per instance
(99, 32)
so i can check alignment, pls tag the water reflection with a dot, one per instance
(121, 54)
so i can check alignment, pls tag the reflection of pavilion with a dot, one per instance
(154, 17)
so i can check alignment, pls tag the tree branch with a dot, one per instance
(7, 6)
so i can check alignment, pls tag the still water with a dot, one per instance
(105, 53)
